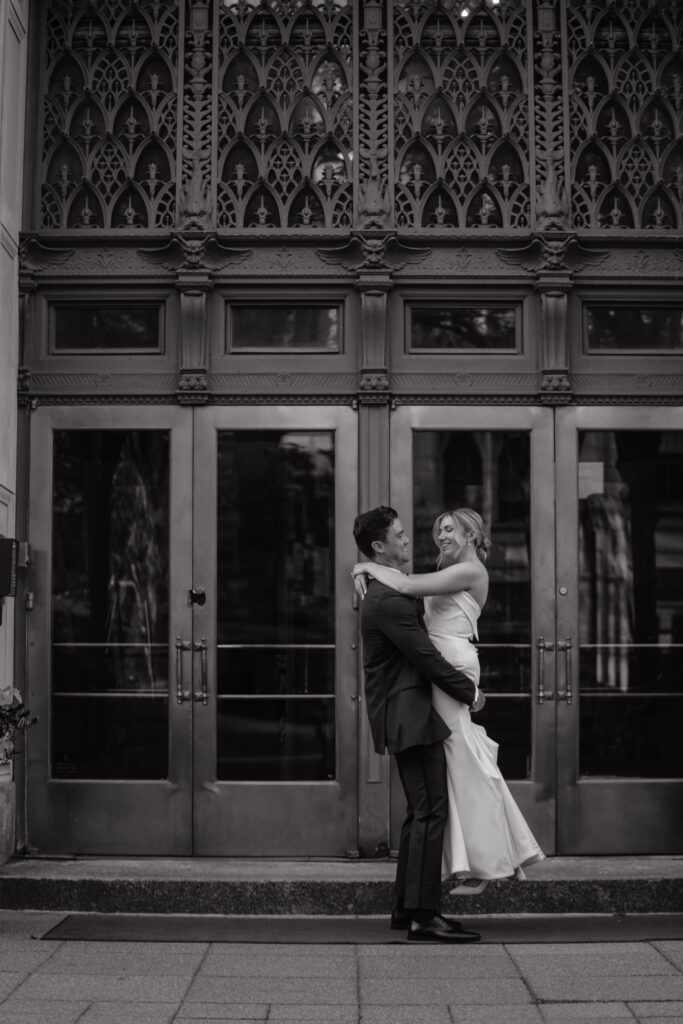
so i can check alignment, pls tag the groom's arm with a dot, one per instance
(401, 625)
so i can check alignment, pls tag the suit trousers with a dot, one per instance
(422, 771)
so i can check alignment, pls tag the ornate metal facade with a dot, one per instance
(521, 115)
(110, 115)
(534, 145)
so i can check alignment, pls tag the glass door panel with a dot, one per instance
(488, 471)
(110, 535)
(499, 462)
(620, 711)
(275, 672)
(275, 745)
(110, 604)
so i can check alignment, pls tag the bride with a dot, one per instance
(486, 836)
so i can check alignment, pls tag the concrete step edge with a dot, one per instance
(617, 896)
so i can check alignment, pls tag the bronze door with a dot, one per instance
(620, 630)
(110, 516)
(191, 651)
(500, 462)
(582, 637)
(276, 709)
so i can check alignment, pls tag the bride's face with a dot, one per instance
(450, 538)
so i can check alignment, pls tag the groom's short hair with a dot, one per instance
(373, 525)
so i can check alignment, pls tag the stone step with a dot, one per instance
(558, 885)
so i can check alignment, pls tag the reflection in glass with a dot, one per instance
(488, 471)
(286, 740)
(635, 327)
(86, 327)
(463, 327)
(110, 540)
(276, 628)
(631, 609)
(278, 669)
(285, 327)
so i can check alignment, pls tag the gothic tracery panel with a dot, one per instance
(109, 114)
(461, 109)
(285, 114)
(626, 114)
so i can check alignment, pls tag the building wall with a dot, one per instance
(13, 23)
(375, 155)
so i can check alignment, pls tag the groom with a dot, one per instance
(400, 662)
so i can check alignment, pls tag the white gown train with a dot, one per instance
(486, 835)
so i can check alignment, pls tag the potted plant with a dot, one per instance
(14, 717)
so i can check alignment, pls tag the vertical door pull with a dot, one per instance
(203, 694)
(542, 646)
(566, 646)
(181, 695)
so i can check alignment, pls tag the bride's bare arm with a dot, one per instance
(449, 580)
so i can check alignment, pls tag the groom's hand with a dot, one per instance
(479, 701)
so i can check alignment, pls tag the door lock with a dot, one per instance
(196, 596)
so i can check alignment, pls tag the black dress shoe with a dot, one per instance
(400, 919)
(440, 929)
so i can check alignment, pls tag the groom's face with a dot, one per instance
(393, 550)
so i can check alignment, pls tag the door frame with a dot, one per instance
(536, 796)
(94, 816)
(270, 813)
(600, 815)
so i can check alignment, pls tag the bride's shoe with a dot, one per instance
(469, 887)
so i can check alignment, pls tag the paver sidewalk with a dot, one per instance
(162, 982)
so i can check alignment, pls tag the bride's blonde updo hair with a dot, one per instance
(471, 527)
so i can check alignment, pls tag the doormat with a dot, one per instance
(358, 930)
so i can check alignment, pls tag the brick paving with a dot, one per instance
(66, 982)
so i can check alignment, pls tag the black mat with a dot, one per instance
(358, 931)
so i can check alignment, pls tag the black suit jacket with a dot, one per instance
(400, 662)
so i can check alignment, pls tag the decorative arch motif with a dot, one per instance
(294, 115)
(460, 90)
(111, 84)
(285, 114)
(627, 150)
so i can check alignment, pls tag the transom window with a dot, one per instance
(645, 328)
(258, 328)
(116, 327)
(462, 328)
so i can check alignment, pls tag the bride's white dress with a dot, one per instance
(486, 835)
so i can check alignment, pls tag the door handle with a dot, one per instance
(542, 646)
(202, 696)
(181, 694)
(566, 646)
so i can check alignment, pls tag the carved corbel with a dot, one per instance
(34, 257)
(195, 256)
(23, 387)
(379, 251)
(194, 250)
(374, 387)
(552, 260)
